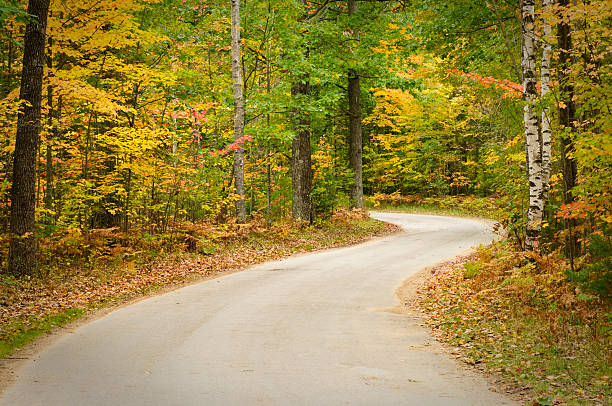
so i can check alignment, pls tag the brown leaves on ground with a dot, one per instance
(517, 314)
(123, 268)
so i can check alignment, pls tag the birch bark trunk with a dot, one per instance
(22, 247)
(534, 155)
(545, 86)
(238, 111)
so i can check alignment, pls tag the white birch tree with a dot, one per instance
(545, 89)
(535, 211)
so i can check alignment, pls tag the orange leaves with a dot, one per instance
(510, 89)
(234, 146)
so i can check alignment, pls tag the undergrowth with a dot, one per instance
(518, 314)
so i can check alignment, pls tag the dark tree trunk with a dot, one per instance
(22, 247)
(301, 166)
(567, 116)
(356, 133)
(356, 138)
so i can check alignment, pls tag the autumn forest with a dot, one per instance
(131, 130)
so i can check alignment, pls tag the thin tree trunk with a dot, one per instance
(301, 166)
(545, 86)
(238, 111)
(268, 158)
(22, 248)
(49, 169)
(57, 190)
(9, 65)
(355, 129)
(535, 211)
(268, 189)
(126, 210)
(567, 114)
(49, 158)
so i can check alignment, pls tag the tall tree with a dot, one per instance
(355, 129)
(238, 111)
(22, 248)
(545, 86)
(535, 211)
(301, 154)
(567, 117)
(301, 161)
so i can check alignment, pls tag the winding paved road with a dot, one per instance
(309, 330)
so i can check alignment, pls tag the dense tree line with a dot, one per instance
(159, 112)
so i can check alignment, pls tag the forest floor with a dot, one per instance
(522, 324)
(105, 268)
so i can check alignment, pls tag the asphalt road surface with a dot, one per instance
(310, 330)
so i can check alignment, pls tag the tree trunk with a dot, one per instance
(545, 86)
(238, 111)
(9, 65)
(22, 248)
(567, 114)
(355, 130)
(49, 168)
(301, 166)
(126, 209)
(356, 138)
(535, 211)
(268, 149)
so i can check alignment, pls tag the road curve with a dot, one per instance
(308, 330)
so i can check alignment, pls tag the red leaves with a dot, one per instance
(511, 89)
(575, 210)
(234, 146)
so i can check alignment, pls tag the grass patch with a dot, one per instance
(520, 317)
(22, 332)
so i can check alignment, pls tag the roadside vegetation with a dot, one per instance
(521, 316)
(467, 206)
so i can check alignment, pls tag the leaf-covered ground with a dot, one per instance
(125, 267)
(520, 319)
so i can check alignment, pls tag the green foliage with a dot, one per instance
(471, 269)
(596, 276)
